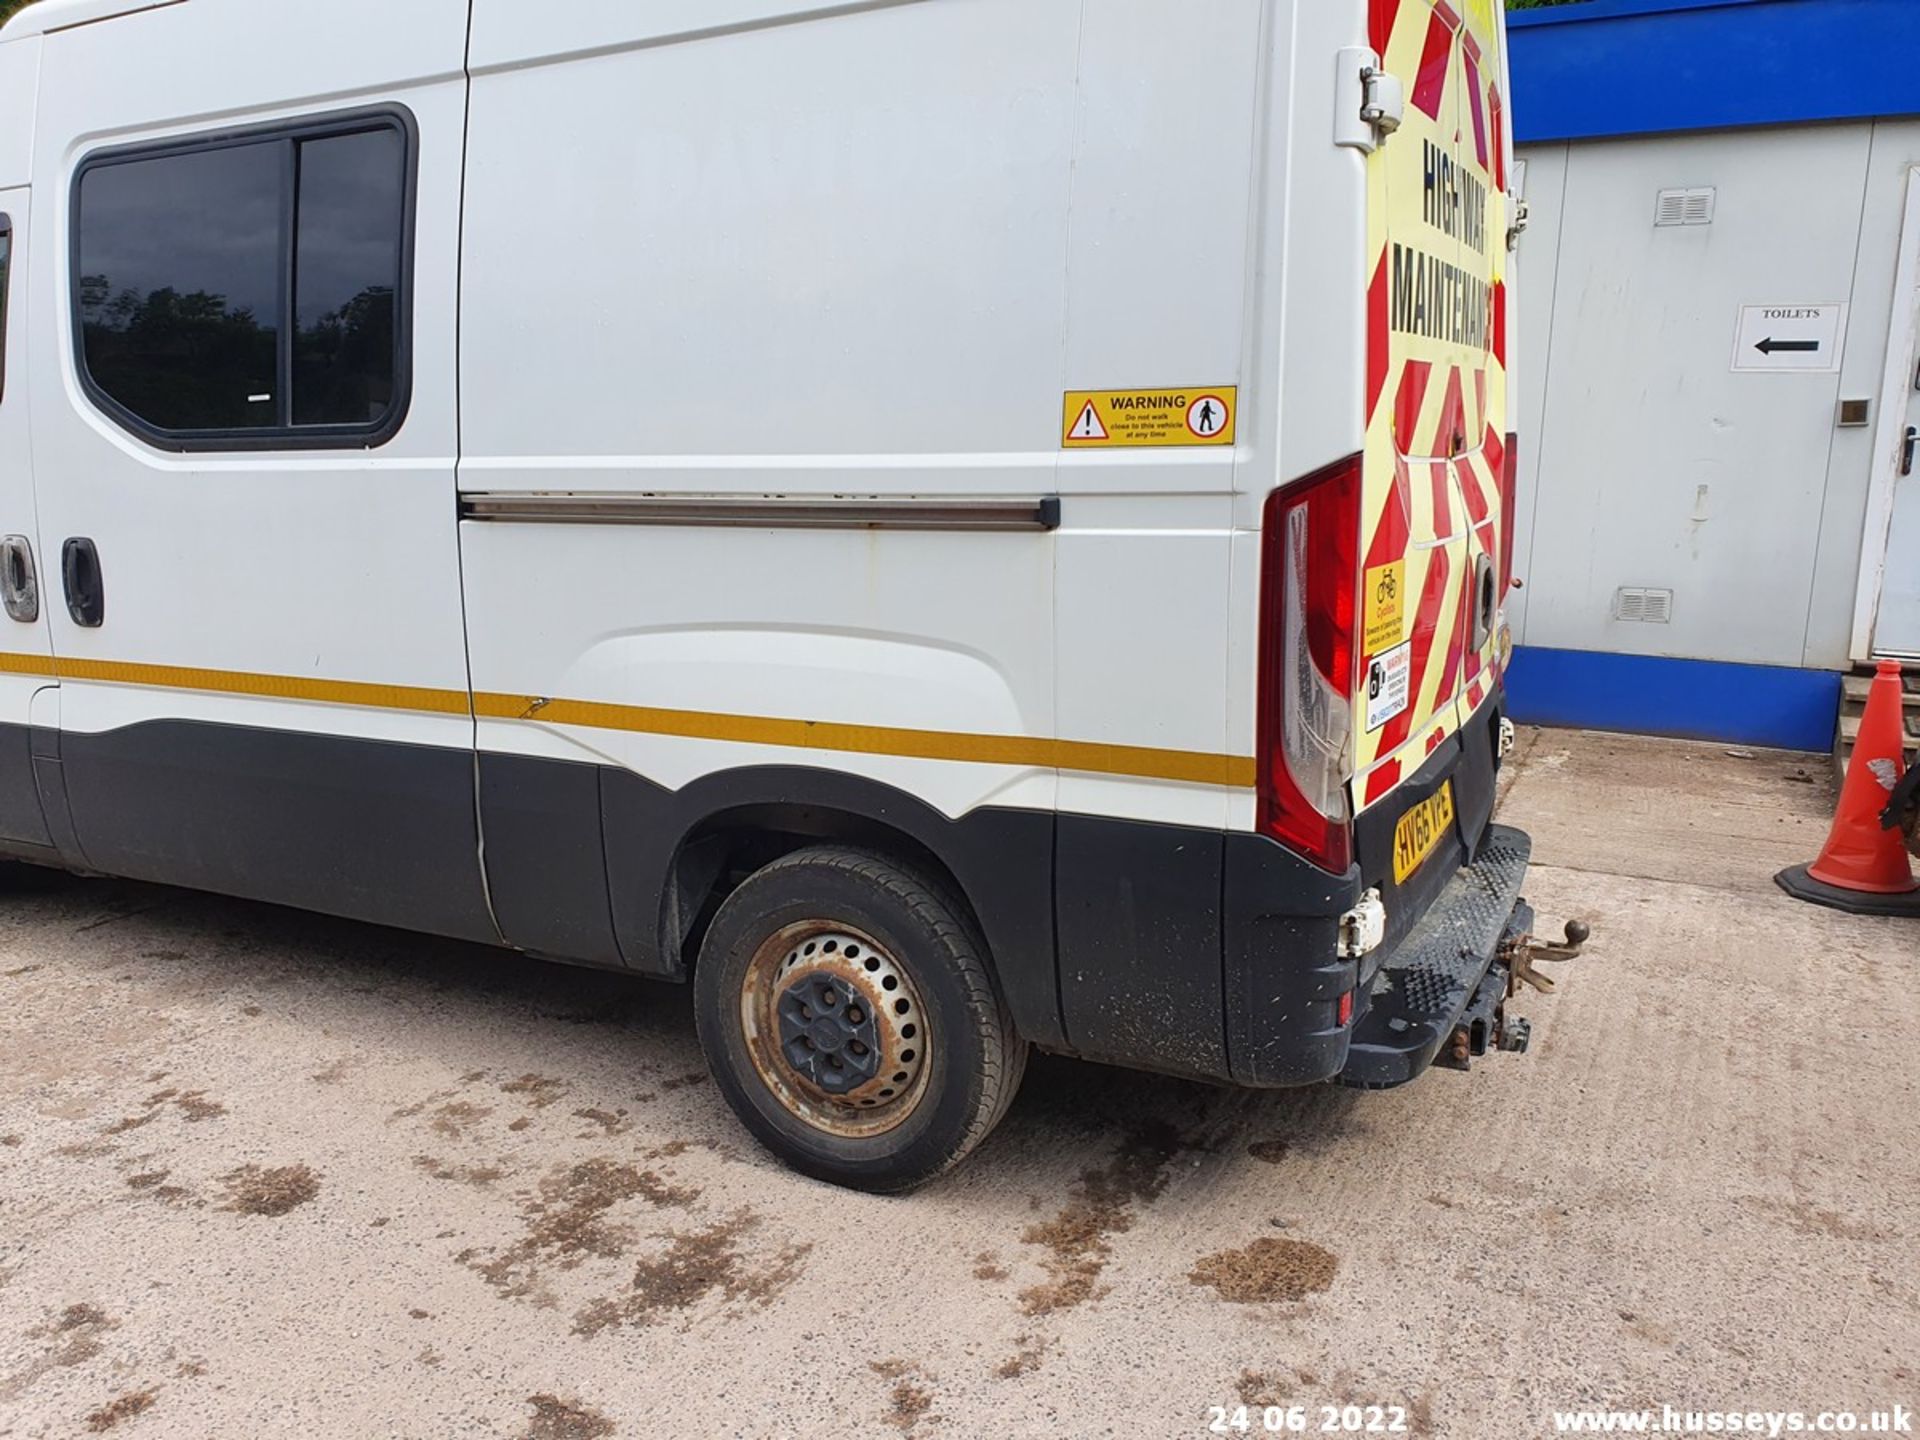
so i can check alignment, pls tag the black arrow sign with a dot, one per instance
(1769, 345)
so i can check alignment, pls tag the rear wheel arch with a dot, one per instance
(747, 820)
(715, 858)
(668, 852)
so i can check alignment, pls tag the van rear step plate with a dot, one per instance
(1426, 986)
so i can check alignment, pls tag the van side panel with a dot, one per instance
(755, 251)
(801, 258)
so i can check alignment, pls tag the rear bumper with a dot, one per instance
(1284, 977)
(1217, 955)
(1426, 988)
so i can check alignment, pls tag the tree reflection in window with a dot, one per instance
(247, 287)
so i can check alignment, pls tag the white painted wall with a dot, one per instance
(1645, 459)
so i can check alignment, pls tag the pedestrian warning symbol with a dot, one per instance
(1207, 416)
(1196, 415)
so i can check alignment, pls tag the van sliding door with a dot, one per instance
(246, 503)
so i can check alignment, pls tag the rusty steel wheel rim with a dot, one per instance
(835, 1028)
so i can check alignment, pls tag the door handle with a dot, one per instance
(80, 571)
(1906, 449)
(19, 587)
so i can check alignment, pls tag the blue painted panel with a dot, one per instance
(1651, 695)
(1632, 67)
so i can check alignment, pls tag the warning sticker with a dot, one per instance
(1386, 606)
(1388, 680)
(1200, 415)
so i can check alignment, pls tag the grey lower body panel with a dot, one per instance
(364, 829)
(1428, 983)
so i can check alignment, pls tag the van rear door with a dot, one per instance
(1430, 390)
(1481, 471)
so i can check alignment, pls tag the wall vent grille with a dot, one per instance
(1642, 606)
(1684, 207)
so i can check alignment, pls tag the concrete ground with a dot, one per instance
(263, 1174)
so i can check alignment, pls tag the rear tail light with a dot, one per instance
(1509, 500)
(1309, 588)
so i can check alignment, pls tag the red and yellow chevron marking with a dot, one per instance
(1436, 374)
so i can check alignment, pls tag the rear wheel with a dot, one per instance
(847, 1013)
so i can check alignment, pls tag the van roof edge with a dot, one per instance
(46, 16)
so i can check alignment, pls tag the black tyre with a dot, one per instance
(848, 1016)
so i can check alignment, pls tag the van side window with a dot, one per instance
(247, 291)
(6, 287)
(347, 277)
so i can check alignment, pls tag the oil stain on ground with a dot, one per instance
(539, 1091)
(555, 1419)
(454, 1119)
(478, 1176)
(75, 1336)
(1267, 1270)
(192, 1104)
(154, 1183)
(611, 1122)
(1077, 1240)
(1025, 1360)
(910, 1400)
(124, 1407)
(1260, 1391)
(697, 1264)
(254, 1191)
(569, 1218)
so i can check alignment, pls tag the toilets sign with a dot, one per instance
(1789, 337)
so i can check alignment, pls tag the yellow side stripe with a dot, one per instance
(1017, 750)
(237, 682)
(1024, 751)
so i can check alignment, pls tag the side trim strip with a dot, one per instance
(236, 682)
(1085, 756)
(568, 508)
(1023, 750)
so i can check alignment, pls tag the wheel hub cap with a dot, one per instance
(826, 1034)
(836, 1028)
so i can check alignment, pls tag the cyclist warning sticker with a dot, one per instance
(1115, 419)
(1386, 606)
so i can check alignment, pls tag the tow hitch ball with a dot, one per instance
(1486, 1023)
(1522, 950)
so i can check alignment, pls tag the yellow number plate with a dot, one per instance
(1420, 832)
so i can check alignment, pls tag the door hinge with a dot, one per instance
(1522, 217)
(1369, 102)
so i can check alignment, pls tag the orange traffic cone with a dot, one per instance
(1863, 867)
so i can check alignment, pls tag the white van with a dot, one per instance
(955, 525)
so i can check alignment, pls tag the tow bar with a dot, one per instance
(1486, 1024)
(1520, 951)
